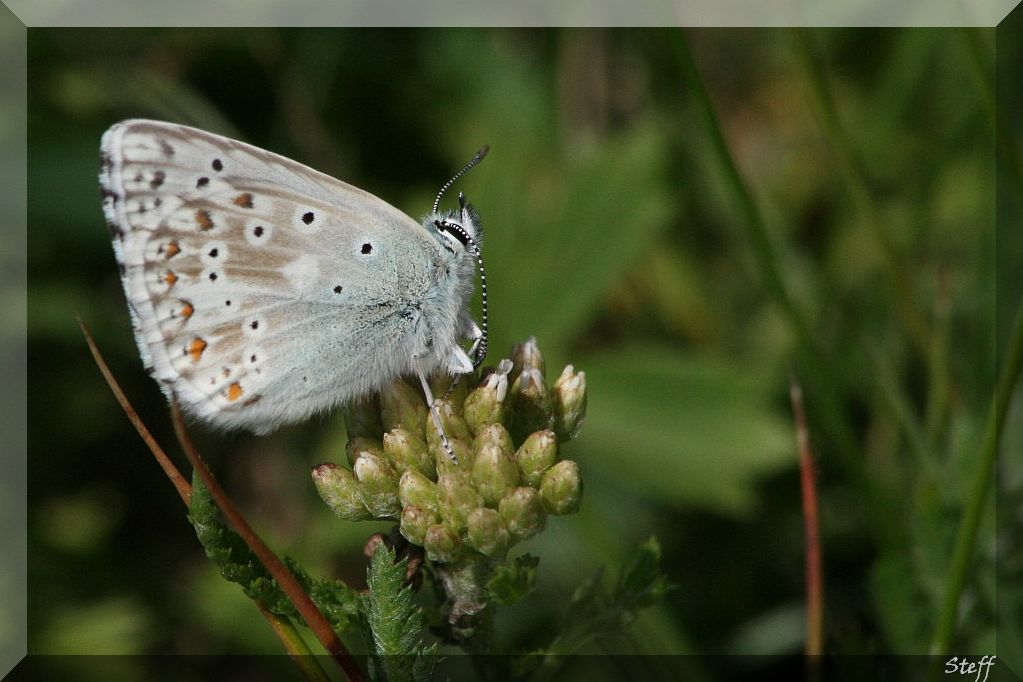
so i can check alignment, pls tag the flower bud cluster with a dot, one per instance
(505, 433)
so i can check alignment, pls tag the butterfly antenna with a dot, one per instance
(481, 350)
(465, 169)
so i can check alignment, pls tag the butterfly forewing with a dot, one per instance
(250, 276)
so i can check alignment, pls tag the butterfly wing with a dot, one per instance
(260, 290)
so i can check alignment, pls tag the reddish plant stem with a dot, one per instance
(284, 577)
(281, 626)
(808, 482)
(183, 487)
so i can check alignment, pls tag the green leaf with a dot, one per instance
(682, 429)
(594, 611)
(396, 622)
(335, 600)
(641, 583)
(513, 581)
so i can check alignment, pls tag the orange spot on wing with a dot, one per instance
(234, 391)
(186, 309)
(204, 219)
(243, 200)
(170, 278)
(173, 249)
(196, 348)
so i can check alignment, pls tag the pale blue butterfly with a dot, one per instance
(262, 291)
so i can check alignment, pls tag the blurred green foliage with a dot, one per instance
(616, 235)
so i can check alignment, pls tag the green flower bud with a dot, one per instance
(408, 452)
(487, 532)
(536, 456)
(378, 483)
(523, 512)
(527, 356)
(561, 488)
(441, 543)
(485, 405)
(362, 418)
(530, 408)
(337, 486)
(454, 426)
(495, 434)
(494, 473)
(416, 490)
(401, 405)
(463, 454)
(457, 497)
(569, 402)
(415, 522)
(357, 446)
(493, 495)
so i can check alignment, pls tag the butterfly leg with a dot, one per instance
(472, 331)
(433, 411)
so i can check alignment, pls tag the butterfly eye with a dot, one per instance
(453, 230)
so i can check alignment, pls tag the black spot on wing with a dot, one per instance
(165, 147)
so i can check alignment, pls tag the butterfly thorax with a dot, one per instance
(447, 318)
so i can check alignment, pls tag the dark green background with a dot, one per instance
(616, 236)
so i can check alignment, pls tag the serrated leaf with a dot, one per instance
(335, 600)
(512, 582)
(395, 621)
(641, 583)
(595, 611)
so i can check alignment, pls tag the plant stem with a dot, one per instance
(282, 574)
(808, 483)
(902, 411)
(281, 625)
(179, 482)
(809, 352)
(469, 618)
(294, 645)
(856, 180)
(966, 538)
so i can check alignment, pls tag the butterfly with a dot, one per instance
(262, 291)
